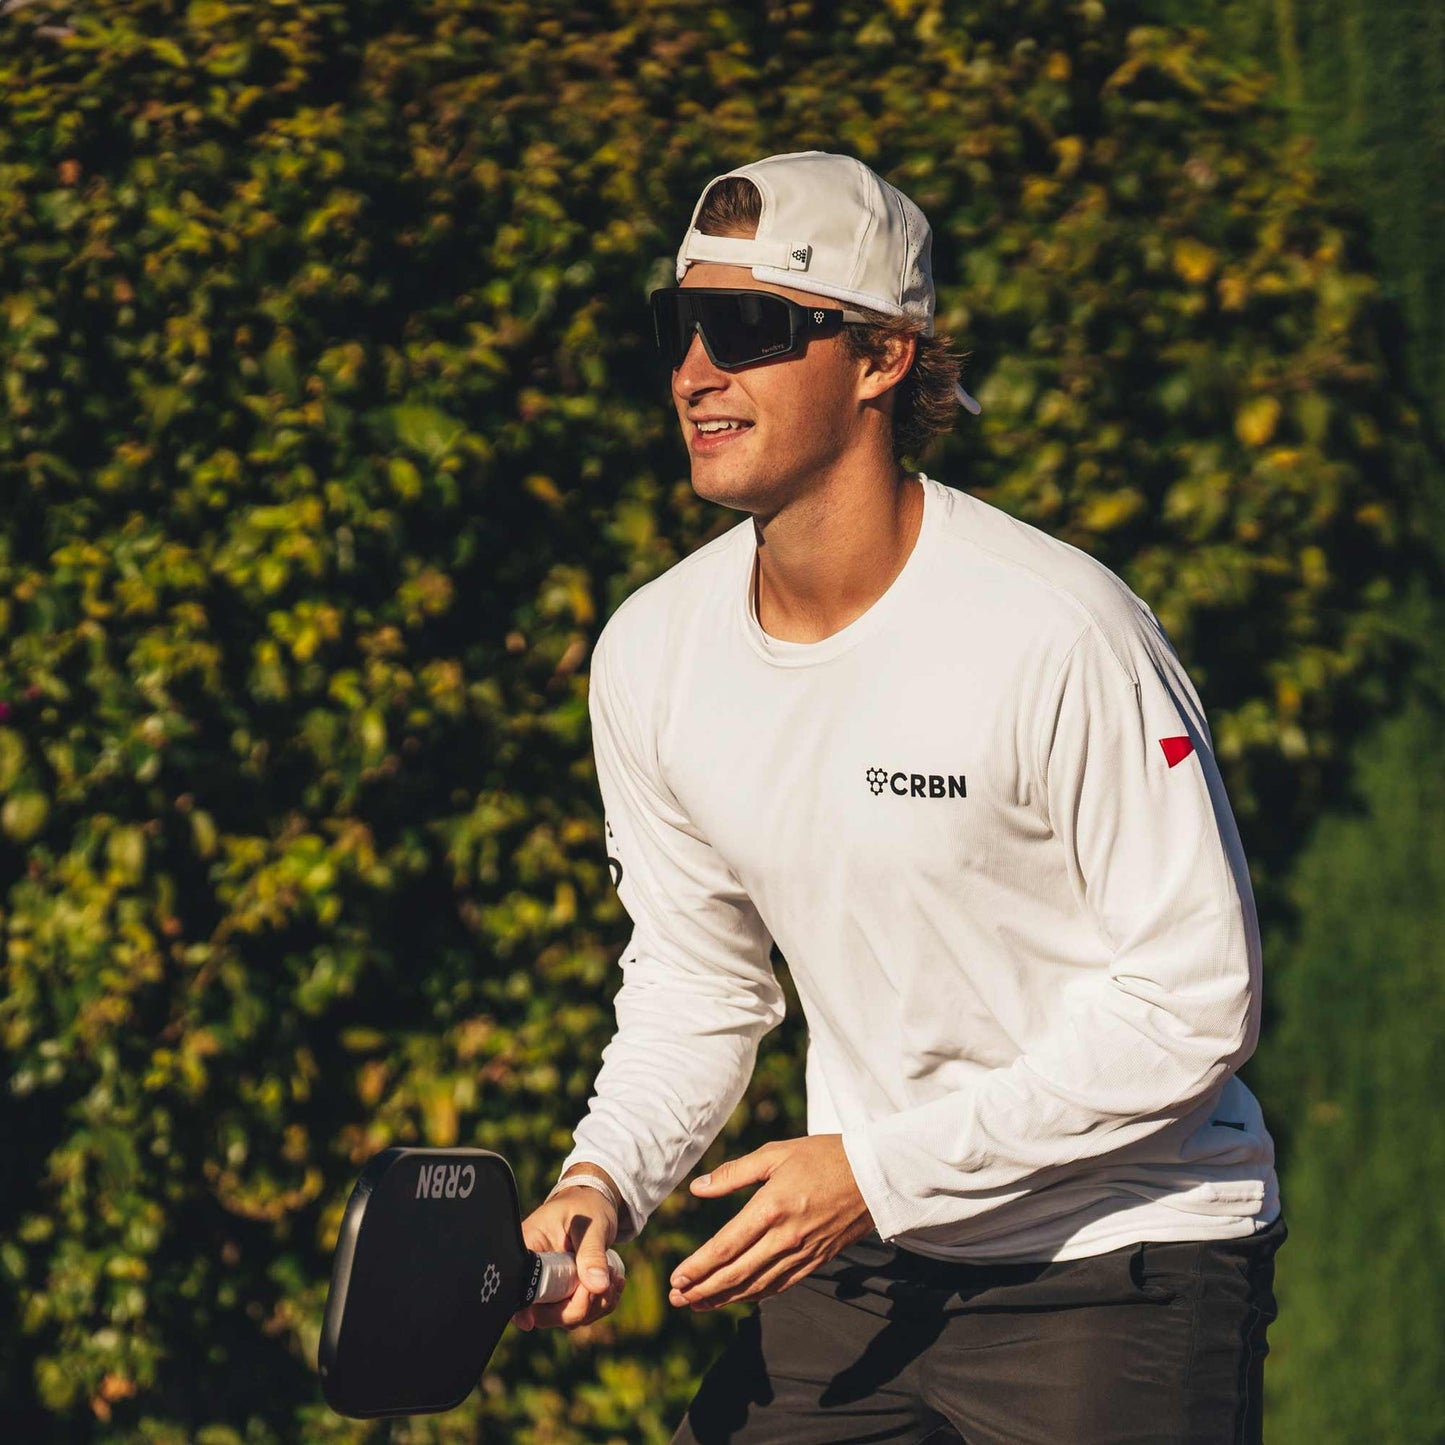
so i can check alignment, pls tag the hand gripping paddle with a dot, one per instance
(430, 1266)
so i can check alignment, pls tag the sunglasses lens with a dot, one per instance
(751, 326)
(671, 327)
(739, 326)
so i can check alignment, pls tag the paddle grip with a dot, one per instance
(557, 1276)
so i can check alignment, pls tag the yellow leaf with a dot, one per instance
(1194, 261)
(126, 851)
(373, 734)
(24, 815)
(440, 1113)
(12, 758)
(170, 52)
(203, 832)
(1111, 509)
(544, 489)
(1233, 292)
(1286, 458)
(1256, 420)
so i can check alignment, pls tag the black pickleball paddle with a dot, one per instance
(430, 1266)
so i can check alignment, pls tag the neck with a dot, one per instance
(825, 558)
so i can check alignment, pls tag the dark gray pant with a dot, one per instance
(1150, 1343)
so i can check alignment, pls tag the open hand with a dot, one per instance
(807, 1210)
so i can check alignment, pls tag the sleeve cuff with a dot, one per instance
(889, 1211)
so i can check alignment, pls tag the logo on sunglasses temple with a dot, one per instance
(818, 317)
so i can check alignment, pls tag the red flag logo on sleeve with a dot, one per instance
(1176, 749)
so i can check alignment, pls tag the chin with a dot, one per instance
(725, 485)
(740, 493)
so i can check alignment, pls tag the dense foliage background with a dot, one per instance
(330, 438)
(1357, 975)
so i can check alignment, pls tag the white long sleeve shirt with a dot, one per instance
(984, 826)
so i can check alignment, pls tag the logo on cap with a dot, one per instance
(800, 254)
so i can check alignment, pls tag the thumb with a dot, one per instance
(735, 1173)
(592, 1267)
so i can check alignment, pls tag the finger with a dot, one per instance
(734, 1239)
(584, 1309)
(581, 1307)
(736, 1173)
(772, 1250)
(781, 1280)
(561, 1311)
(547, 1236)
(771, 1279)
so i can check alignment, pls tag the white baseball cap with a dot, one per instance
(830, 226)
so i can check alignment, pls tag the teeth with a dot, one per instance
(708, 427)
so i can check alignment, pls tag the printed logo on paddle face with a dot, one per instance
(445, 1181)
(917, 785)
(491, 1282)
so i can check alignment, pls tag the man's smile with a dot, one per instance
(710, 434)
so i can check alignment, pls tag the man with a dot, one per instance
(954, 770)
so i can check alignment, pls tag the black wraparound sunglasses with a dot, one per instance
(739, 328)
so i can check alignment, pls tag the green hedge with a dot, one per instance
(1357, 1068)
(329, 438)
(1351, 1075)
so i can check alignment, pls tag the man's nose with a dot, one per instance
(697, 373)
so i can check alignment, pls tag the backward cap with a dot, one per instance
(831, 226)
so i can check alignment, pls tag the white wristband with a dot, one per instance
(590, 1181)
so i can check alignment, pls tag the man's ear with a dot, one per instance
(881, 376)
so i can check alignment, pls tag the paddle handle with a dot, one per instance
(557, 1275)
